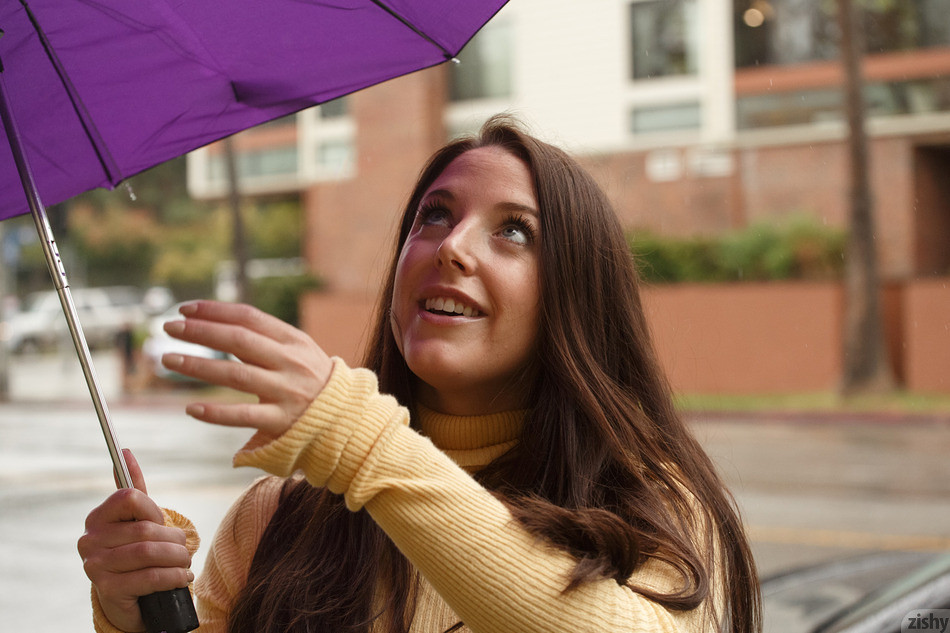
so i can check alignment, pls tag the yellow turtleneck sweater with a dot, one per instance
(478, 565)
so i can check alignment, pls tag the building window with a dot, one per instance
(279, 161)
(781, 32)
(484, 68)
(784, 32)
(664, 38)
(805, 107)
(334, 109)
(284, 121)
(666, 118)
(789, 108)
(336, 158)
(907, 25)
(933, 20)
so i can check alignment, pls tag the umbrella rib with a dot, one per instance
(382, 5)
(98, 145)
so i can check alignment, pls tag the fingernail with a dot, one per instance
(172, 361)
(188, 309)
(174, 327)
(195, 410)
(190, 575)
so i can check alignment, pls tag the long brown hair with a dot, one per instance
(604, 469)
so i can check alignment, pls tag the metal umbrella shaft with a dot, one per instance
(165, 611)
(58, 273)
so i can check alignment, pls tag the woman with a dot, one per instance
(527, 472)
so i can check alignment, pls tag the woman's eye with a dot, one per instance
(433, 216)
(515, 234)
(518, 230)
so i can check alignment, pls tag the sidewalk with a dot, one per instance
(816, 487)
(811, 485)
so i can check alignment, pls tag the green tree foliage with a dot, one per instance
(280, 296)
(274, 229)
(152, 232)
(118, 246)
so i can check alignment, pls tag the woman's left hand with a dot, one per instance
(280, 365)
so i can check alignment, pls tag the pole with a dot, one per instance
(5, 350)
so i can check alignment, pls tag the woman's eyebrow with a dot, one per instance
(517, 207)
(439, 193)
(507, 206)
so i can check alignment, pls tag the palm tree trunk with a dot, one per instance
(865, 359)
(238, 241)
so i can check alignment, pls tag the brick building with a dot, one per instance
(698, 116)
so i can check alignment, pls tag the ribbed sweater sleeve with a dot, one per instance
(494, 575)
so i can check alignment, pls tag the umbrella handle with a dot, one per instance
(165, 611)
(169, 611)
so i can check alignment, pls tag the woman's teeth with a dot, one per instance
(449, 306)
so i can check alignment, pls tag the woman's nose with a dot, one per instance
(458, 249)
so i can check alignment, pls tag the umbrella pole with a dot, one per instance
(164, 611)
(58, 273)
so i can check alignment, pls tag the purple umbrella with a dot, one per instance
(95, 91)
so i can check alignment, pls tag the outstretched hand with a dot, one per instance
(280, 364)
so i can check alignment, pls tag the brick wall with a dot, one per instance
(769, 182)
(350, 224)
(926, 335)
(717, 339)
(747, 338)
(735, 338)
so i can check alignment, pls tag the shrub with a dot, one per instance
(798, 248)
(280, 296)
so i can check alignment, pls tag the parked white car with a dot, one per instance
(159, 343)
(103, 313)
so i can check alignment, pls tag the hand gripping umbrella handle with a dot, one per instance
(169, 611)
(166, 611)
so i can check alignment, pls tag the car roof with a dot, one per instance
(856, 594)
(884, 610)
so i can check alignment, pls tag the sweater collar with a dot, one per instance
(472, 441)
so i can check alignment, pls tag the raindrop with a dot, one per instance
(128, 188)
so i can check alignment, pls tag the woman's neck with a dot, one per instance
(469, 402)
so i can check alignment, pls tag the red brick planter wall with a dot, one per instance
(749, 337)
(926, 335)
(735, 338)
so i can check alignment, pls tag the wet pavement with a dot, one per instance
(810, 489)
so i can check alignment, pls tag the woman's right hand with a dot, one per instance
(128, 552)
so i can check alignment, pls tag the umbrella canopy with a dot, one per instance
(100, 90)
(104, 89)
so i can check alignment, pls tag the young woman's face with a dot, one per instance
(465, 303)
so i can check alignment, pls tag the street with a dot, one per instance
(809, 490)
(54, 468)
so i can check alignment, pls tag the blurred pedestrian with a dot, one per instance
(125, 341)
